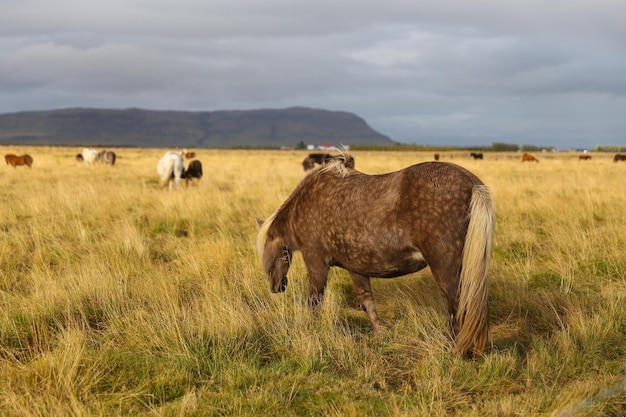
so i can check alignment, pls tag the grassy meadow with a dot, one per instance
(118, 298)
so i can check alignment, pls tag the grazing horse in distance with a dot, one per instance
(315, 158)
(189, 154)
(433, 214)
(194, 170)
(584, 157)
(619, 157)
(90, 156)
(344, 159)
(436, 157)
(476, 155)
(325, 158)
(110, 157)
(107, 157)
(319, 158)
(14, 160)
(528, 157)
(308, 164)
(170, 168)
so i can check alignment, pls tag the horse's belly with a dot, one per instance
(388, 266)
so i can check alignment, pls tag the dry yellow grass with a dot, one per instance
(119, 298)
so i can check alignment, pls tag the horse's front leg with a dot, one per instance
(366, 298)
(318, 276)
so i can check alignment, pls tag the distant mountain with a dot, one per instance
(215, 129)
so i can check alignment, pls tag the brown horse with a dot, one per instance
(14, 160)
(308, 163)
(619, 157)
(194, 171)
(433, 214)
(528, 157)
(107, 157)
(584, 157)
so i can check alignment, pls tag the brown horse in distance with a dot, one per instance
(107, 157)
(619, 157)
(14, 160)
(308, 163)
(528, 157)
(584, 157)
(193, 172)
(432, 214)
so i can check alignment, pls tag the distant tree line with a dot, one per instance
(610, 148)
(495, 147)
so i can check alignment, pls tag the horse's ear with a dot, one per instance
(259, 222)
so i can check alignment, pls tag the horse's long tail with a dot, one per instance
(473, 309)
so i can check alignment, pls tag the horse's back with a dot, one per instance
(384, 217)
(329, 186)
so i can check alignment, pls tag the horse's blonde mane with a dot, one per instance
(262, 236)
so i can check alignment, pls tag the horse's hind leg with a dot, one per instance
(447, 278)
(366, 298)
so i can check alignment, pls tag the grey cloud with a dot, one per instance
(460, 73)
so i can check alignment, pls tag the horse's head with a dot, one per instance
(276, 262)
(276, 257)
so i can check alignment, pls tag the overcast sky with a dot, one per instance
(548, 73)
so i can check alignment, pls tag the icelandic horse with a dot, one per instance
(434, 214)
(15, 161)
(171, 168)
(529, 157)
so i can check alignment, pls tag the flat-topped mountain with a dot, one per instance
(214, 129)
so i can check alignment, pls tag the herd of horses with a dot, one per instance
(527, 157)
(170, 168)
(435, 214)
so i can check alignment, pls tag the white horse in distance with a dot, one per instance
(90, 155)
(170, 169)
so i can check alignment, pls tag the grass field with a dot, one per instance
(118, 298)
